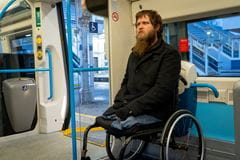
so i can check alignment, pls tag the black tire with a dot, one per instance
(183, 138)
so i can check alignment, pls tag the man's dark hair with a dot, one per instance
(154, 17)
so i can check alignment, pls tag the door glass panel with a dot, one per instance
(90, 59)
(89, 53)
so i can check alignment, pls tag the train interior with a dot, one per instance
(62, 63)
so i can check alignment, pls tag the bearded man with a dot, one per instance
(149, 88)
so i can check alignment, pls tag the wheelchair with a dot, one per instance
(179, 138)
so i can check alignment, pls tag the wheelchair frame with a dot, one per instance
(167, 141)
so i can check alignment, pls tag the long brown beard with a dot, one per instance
(143, 44)
(140, 47)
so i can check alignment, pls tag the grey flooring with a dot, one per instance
(53, 146)
(56, 146)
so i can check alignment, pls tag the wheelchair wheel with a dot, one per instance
(122, 148)
(183, 139)
(167, 127)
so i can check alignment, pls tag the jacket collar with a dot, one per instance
(156, 47)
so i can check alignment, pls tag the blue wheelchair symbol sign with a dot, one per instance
(93, 27)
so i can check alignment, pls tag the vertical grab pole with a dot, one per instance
(70, 69)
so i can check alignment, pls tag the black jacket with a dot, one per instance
(150, 82)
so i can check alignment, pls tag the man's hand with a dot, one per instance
(118, 105)
(123, 113)
(110, 111)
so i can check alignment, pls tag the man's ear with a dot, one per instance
(157, 27)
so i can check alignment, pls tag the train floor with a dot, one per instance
(53, 146)
(56, 146)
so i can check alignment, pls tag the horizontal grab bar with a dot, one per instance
(23, 70)
(90, 69)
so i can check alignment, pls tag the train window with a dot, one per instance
(173, 32)
(22, 44)
(214, 46)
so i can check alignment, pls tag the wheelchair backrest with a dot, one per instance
(187, 94)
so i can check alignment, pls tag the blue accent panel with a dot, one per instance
(5, 8)
(217, 120)
(188, 101)
(206, 85)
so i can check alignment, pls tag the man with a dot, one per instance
(149, 87)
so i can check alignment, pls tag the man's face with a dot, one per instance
(144, 28)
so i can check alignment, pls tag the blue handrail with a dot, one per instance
(206, 85)
(90, 69)
(36, 70)
(50, 73)
(23, 70)
(5, 8)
